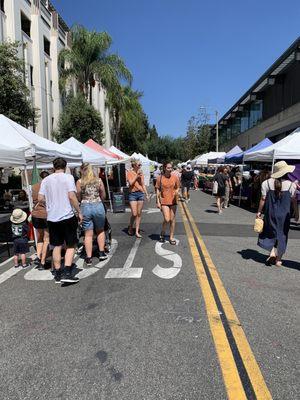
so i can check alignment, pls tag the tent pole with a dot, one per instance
(108, 190)
(240, 194)
(30, 200)
(273, 161)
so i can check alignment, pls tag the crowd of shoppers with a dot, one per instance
(61, 207)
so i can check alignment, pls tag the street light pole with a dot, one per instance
(217, 131)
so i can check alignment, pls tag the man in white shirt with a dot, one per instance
(58, 191)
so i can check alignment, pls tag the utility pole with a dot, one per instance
(217, 131)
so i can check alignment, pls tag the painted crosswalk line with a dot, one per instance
(9, 273)
(127, 271)
(36, 275)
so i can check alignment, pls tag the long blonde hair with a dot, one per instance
(88, 176)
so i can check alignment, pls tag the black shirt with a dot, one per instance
(187, 177)
(221, 179)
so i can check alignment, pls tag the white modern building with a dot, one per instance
(43, 33)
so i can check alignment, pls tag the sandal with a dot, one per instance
(138, 236)
(162, 238)
(278, 263)
(173, 242)
(271, 260)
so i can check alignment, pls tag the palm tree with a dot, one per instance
(120, 100)
(89, 59)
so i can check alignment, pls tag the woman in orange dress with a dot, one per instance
(137, 192)
(167, 194)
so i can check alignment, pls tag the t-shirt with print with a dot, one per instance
(20, 231)
(138, 185)
(167, 188)
(285, 186)
(56, 189)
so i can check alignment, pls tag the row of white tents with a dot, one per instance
(20, 147)
(286, 149)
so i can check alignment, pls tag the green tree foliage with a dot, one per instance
(166, 148)
(80, 120)
(89, 58)
(198, 136)
(133, 121)
(14, 102)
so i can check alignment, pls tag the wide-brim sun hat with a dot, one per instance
(18, 216)
(281, 168)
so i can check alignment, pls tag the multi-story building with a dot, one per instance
(43, 34)
(270, 108)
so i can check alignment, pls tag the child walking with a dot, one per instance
(20, 231)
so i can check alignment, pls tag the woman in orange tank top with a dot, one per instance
(167, 194)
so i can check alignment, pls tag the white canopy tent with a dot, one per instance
(88, 155)
(34, 146)
(203, 159)
(118, 152)
(11, 157)
(286, 149)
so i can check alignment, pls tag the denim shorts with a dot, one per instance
(93, 216)
(136, 196)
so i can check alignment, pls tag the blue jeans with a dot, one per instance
(93, 216)
(136, 196)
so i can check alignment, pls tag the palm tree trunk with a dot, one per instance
(118, 129)
(91, 94)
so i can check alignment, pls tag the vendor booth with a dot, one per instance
(203, 160)
(238, 158)
(20, 147)
(286, 149)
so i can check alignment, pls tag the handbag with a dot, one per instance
(258, 225)
(215, 187)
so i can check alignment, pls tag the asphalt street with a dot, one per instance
(138, 327)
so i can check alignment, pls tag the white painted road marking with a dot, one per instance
(36, 275)
(9, 273)
(171, 272)
(147, 210)
(91, 270)
(6, 261)
(127, 271)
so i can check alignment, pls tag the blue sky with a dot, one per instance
(190, 53)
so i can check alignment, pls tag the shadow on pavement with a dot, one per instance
(211, 211)
(249, 254)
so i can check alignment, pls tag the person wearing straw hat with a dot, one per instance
(277, 193)
(20, 231)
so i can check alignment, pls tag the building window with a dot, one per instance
(2, 5)
(51, 83)
(25, 24)
(31, 75)
(52, 123)
(46, 46)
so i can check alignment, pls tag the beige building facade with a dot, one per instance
(43, 34)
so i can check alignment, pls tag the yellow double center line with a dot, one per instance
(241, 373)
